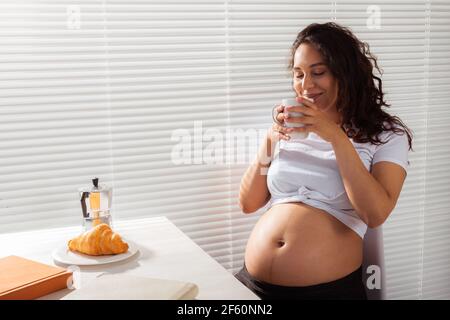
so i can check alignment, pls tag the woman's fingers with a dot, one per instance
(277, 114)
(276, 136)
(285, 130)
(308, 102)
(303, 119)
(280, 117)
(280, 132)
(305, 110)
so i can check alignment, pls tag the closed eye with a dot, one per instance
(299, 76)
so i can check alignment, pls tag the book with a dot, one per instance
(24, 279)
(130, 287)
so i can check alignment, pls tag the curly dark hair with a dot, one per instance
(360, 95)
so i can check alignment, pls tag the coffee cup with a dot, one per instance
(293, 102)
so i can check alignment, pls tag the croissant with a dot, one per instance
(98, 241)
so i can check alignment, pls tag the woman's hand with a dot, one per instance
(314, 119)
(275, 133)
(278, 131)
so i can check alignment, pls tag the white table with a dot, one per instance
(164, 252)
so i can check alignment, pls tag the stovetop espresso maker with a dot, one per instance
(96, 203)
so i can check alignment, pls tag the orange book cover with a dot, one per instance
(24, 279)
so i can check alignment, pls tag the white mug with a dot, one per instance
(294, 135)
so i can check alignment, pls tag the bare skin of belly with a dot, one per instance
(294, 244)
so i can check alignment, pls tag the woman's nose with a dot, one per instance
(307, 82)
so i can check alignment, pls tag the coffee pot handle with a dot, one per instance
(84, 195)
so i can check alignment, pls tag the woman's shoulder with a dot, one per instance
(394, 147)
(392, 132)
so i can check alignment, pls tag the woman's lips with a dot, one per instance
(313, 96)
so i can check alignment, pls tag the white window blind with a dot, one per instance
(412, 45)
(436, 253)
(116, 89)
(400, 45)
(55, 129)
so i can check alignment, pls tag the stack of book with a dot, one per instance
(24, 279)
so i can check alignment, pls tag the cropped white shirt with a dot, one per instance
(306, 170)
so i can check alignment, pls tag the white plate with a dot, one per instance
(64, 255)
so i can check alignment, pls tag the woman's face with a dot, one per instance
(313, 79)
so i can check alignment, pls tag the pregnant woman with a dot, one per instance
(325, 190)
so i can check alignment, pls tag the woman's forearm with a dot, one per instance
(253, 193)
(368, 197)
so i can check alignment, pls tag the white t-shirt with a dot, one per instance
(306, 170)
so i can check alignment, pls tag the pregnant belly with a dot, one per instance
(294, 244)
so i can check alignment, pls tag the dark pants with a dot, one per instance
(350, 287)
